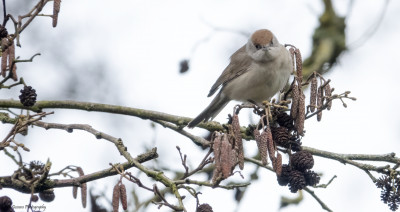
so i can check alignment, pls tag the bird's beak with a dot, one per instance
(266, 48)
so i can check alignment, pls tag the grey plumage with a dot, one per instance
(256, 72)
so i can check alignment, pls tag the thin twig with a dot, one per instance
(312, 193)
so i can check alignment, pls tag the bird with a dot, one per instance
(256, 72)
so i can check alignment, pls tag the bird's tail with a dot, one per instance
(217, 104)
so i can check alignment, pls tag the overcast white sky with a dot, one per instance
(138, 46)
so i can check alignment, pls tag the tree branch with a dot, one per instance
(115, 109)
(8, 182)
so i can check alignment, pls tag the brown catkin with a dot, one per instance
(278, 164)
(83, 188)
(4, 56)
(217, 156)
(56, 10)
(84, 195)
(238, 140)
(217, 150)
(74, 191)
(115, 197)
(271, 145)
(12, 65)
(328, 93)
(262, 144)
(313, 93)
(226, 157)
(320, 97)
(301, 115)
(123, 197)
(299, 66)
(291, 50)
(295, 101)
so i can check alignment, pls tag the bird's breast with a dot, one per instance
(261, 82)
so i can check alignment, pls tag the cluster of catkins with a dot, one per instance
(297, 173)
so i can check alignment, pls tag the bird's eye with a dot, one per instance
(258, 46)
(272, 42)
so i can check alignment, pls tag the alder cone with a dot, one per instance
(302, 160)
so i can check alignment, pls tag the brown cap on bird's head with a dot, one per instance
(262, 37)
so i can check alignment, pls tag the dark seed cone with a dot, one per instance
(313, 93)
(296, 181)
(283, 179)
(34, 198)
(285, 120)
(238, 140)
(47, 196)
(6, 203)
(115, 197)
(302, 160)
(281, 136)
(3, 32)
(311, 177)
(28, 96)
(183, 66)
(204, 208)
(390, 193)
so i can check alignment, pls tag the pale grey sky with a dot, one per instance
(137, 45)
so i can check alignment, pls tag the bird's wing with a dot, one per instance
(240, 62)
